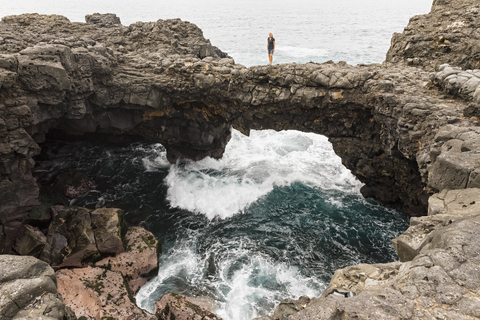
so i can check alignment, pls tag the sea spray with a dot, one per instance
(251, 167)
(274, 218)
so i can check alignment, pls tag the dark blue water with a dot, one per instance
(273, 219)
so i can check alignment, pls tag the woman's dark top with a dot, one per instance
(270, 43)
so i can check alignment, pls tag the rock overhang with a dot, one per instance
(163, 81)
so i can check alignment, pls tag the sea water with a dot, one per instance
(274, 218)
(278, 214)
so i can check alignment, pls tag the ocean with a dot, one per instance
(278, 214)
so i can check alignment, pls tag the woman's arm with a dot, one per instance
(273, 46)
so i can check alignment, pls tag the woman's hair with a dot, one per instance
(271, 34)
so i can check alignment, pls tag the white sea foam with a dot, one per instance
(159, 161)
(182, 262)
(246, 284)
(299, 52)
(243, 294)
(251, 167)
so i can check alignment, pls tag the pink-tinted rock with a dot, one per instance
(179, 307)
(96, 293)
(75, 183)
(139, 263)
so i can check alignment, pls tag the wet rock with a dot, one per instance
(74, 183)
(179, 307)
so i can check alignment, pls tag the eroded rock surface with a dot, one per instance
(77, 236)
(448, 34)
(139, 262)
(108, 289)
(180, 307)
(440, 280)
(97, 292)
(164, 82)
(28, 290)
(444, 208)
(407, 128)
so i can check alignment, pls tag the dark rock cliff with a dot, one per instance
(448, 34)
(163, 81)
(407, 128)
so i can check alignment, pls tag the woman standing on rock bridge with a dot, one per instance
(270, 47)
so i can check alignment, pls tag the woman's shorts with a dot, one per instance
(270, 51)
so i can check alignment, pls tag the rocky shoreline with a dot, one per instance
(96, 265)
(438, 278)
(408, 128)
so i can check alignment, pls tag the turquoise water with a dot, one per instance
(278, 213)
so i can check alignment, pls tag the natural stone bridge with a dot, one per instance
(407, 128)
(393, 125)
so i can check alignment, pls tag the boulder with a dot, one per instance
(139, 262)
(103, 20)
(180, 307)
(77, 237)
(96, 293)
(109, 229)
(70, 239)
(48, 307)
(31, 241)
(444, 208)
(28, 290)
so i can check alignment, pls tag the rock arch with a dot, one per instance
(164, 82)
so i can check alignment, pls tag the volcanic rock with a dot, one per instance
(74, 183)
(448, 34)
(96, 292)
(180, 307)
(139, 262)
(77, 236)
(444, 208)
(163, 81)
(440, 278)
(30, 242)
(407, 129)
(109, 228)
(28, 290)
